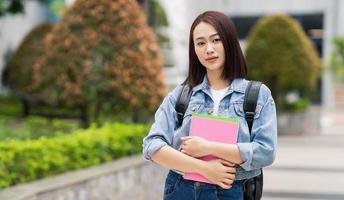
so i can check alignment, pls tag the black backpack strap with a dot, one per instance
(182, 103)
(253, 187)
(250, 101)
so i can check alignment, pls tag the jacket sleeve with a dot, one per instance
(261, 151)
(161, 132)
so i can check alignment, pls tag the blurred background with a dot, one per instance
(80, 81)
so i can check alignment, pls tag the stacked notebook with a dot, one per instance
(212, 128)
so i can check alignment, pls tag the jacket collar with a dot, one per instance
(237, 85)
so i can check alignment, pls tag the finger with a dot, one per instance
(186, 138)
(227, 182)
(184, 152)
(224, 186)
(231, 170)
(230, 176)
(185, 148)
(226, 163)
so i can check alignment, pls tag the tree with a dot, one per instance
(102, 55)
(18, 71)
(17, 6)
(337, 58)
(281, 55)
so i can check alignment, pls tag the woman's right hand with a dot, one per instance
(220, 172)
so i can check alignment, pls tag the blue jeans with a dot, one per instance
(177, 188)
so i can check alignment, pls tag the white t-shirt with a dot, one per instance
(217, 96)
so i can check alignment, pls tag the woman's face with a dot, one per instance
(208, 47)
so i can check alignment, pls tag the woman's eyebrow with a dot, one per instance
(213, 35)
(202, 37)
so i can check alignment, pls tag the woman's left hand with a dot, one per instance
(194, 146)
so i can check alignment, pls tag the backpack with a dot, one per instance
(253, 187)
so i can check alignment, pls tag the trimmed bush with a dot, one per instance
(281, 55)
(23, 161)
(18, 71)
(102, 55)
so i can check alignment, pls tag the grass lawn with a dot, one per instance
(14, 126)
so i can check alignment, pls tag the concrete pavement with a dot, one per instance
(309, 166)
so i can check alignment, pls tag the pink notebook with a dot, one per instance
(212, 128)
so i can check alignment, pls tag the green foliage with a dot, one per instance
(337, 59)
(2, 7)
(102, 55)
(34, 127)
(23, 161)
(298, 105)
(156, 14)
(57, 7)
(11, 6)
(14, 6)
(18, 73)
(14, 126)
(281, 55)
(10, 106)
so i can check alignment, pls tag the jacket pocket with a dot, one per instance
(239, 110)
(192, 108)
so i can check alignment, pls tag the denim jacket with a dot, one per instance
(257, 150)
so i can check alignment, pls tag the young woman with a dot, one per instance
(217, 70)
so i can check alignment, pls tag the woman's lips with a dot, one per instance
(211, 59)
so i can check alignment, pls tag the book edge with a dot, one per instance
(216, 117)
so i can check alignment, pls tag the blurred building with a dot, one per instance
(319, 18)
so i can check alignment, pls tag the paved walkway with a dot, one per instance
(310, 166)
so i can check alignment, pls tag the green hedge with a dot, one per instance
(23, 161)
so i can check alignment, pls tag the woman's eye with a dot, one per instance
(217, 40)
(200, 43)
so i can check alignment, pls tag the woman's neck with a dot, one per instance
(216, 81)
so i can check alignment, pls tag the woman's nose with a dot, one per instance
(210, 49)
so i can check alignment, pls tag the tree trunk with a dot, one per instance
(84, 118)
(25, 107)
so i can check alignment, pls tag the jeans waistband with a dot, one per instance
(191, 183)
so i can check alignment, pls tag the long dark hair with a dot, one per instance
(235, 65)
